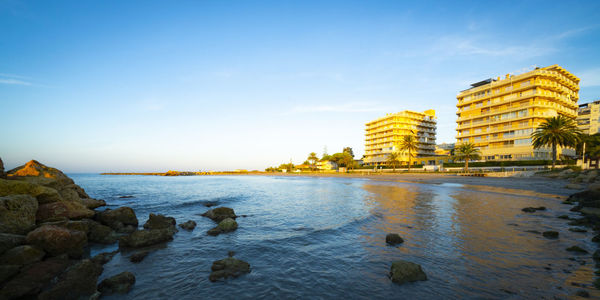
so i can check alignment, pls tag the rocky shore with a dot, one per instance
(47, 224)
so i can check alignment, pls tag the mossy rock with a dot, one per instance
(405, 271)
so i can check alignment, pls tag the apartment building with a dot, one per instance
(384, 135)
(588, 117)
(499, 115)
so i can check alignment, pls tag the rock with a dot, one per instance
(224, 226)
(126, 197)
(159, 222)
(33, 278)
(120, 283)
(138, 256)
(189, 225)
(2, 174)
(143, 238)
(101, 234)
(550, 234)
(92, 203)
(596, 238)
(118, 219)
(104, 257)
(574, 186)
(405, 271)
(219, 214)
(575, 229)
(22, 255)
(565, 217)
(586, 197)
(393, 239)
(228, 267)
(9, 241)
(52, 212)
(8, 271)
(533, 231)
(57, 240)
(36, 169)
(590, 211)
(41, 193)
(582, 293)
(17, 214)
(576, 249)
(78, 281)
(533, 209)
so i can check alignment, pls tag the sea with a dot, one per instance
(324, 238)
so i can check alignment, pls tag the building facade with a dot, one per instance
(588, 117)
(499, 115)
(384, 135)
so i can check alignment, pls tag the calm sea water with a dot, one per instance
(325, 238)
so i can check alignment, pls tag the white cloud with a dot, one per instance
(13, 79)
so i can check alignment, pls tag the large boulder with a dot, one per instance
(77, 282)
(9, 241)
(57, 240)
(405, 271)
(143, 238)
(50, 212)
(21, 255)
(2, 174)
(120, 283)
(220, 213)
(36, 169)
(160, 222)
(228, 267)
(30, 281)
(92, 203)
(100, 234)
(224, 226)
(41, 193)
(17, 213)
(122, 219)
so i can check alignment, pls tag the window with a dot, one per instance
(522, 142)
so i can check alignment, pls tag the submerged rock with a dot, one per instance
(120, 283)
(8, 241)
(576, 249)
(575, 229)
(17, 213)
(228, 267)
(22, 255)
(58, 240)
(224, 226)
(550, 234)
(189, 225)
(79, 281)
(405, 271)
(138, 256)
(122, 219)
(160, 222)
(143, 238)
(104, 257)
(393, 239)
(220, 213)
(533, 209)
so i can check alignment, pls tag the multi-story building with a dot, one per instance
(588, 117)
(499, 115)
(384, 135)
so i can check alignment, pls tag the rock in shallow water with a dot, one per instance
(138, 256)
(104, 257)
(33, 278)
(533, 209)
(79, 281)
(159, 222)
(219, 214)
(228, 267)
(550, 234)
(121, 219)
(576, 249)
(189, 225)
(393, 239)
(224, 226)
(405, 271)
(143, 238)
(120, 283)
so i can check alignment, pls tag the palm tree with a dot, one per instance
(393, 159)
(556, 131)
(409, 144)
(466, 152)
(312, 158)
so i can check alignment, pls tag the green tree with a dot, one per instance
(289, 167)
(409, 144)
(312, 158)
(343, 159)
(349, 151)
(556, 131)
(393, 160)
(466, 151)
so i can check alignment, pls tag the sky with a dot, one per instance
(109, 86)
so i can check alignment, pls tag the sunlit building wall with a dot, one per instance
(384, 135)
(499, 115)
(588, 117)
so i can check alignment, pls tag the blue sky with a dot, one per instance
(91, 86)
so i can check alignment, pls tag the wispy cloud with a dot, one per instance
(352, 107)
(13, 79)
